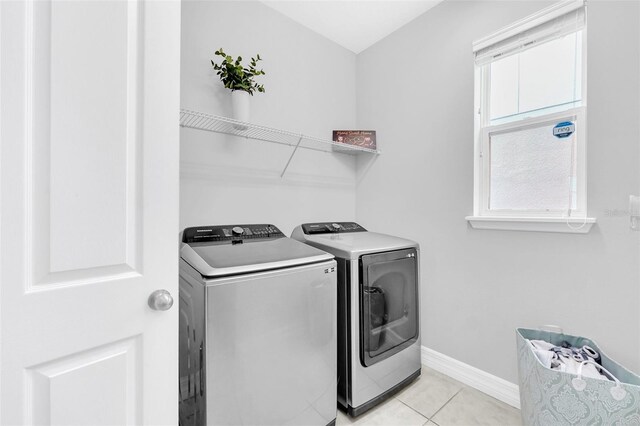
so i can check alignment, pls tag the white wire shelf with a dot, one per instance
(228, 126)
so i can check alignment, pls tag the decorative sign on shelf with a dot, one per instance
(360, 138)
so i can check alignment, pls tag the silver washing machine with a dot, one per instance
(378, 317)
(257, 329)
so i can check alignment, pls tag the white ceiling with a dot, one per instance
(354, 24)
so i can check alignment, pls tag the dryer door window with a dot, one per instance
(388, 304)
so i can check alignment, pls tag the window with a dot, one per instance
(530, 126)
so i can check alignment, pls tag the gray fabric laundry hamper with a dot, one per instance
(549, 397)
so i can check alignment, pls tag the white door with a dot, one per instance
(88, 211)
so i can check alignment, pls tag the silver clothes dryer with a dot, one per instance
(257, 329)
(378, 316)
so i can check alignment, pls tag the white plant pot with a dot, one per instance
(241, 107)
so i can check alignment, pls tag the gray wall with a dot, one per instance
(416, 88)
(310, 85)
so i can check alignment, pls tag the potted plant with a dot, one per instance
(240, 80)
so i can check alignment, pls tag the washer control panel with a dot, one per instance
(331, 227)
(200, 234)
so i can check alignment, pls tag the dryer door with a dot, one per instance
(388, 304)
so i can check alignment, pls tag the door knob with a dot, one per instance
(160, 300)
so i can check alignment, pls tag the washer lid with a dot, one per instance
(216, 260)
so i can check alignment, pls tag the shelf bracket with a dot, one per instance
(291, 157)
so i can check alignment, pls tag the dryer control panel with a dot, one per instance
(200, 234)
(331, 227)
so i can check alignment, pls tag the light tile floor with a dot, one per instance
(436, 399)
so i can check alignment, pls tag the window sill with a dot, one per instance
(534, 224)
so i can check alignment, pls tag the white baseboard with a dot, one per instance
(494, 386)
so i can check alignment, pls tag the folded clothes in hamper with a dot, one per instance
(553, 397)
(568, 358)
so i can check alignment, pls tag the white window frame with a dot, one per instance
(575, 115)
(572, 221)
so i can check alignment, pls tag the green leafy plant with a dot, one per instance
(235, 76)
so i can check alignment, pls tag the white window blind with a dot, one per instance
(541, 80)
(551, 23)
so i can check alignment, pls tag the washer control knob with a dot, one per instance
(237, 230)
(335, 226)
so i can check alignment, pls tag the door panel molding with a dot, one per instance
(115, 366)
(54, 253)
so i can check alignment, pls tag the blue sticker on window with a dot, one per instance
(564, 129)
